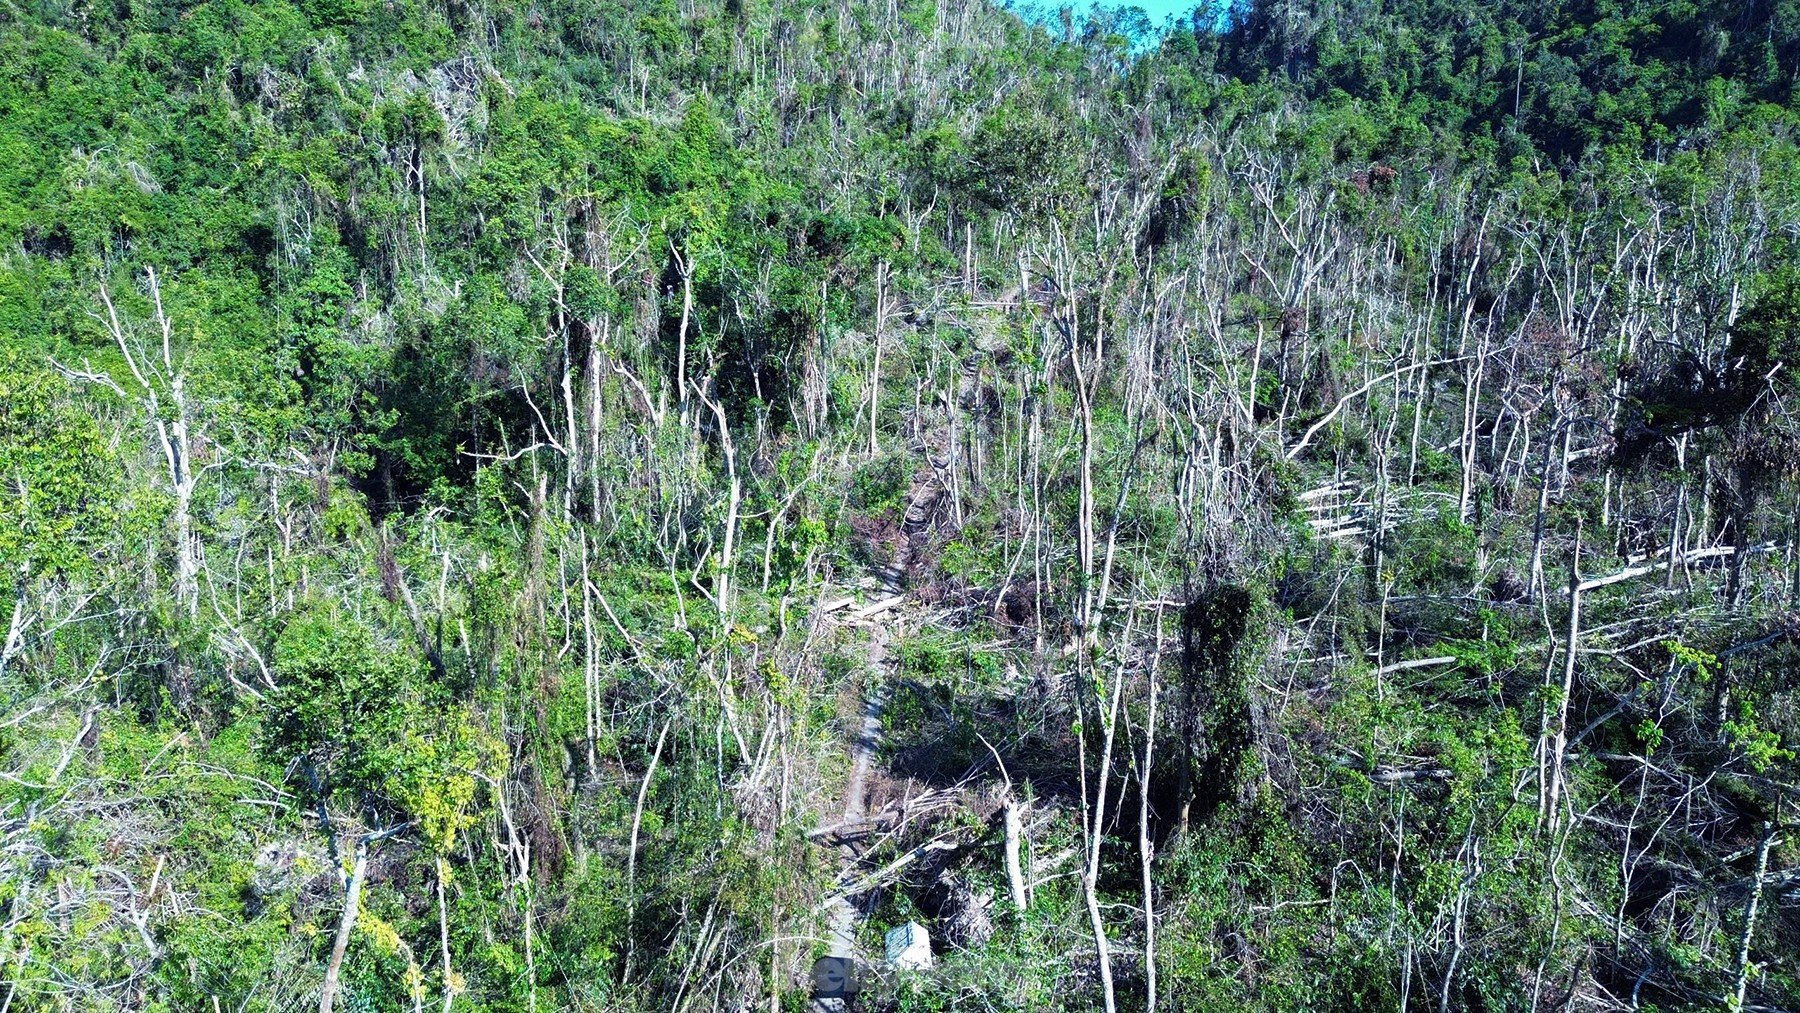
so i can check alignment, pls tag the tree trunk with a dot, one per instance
(1559, 738)
(1015, 876)
(443, 870)
(1736, 1000)
(346, 922)
(1145, 849)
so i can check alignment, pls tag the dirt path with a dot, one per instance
(843, 914)
(881, 619)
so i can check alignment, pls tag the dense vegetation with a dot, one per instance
(1315, 482)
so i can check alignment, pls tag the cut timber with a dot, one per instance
(1404, 666)
(876, 607)
(1716, 552)
(1392, 775)
(887, 873)
(894, 812)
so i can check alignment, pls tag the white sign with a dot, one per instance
(909, 947)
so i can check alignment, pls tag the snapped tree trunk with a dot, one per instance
(1558, 738)
(346, 922)
(1736, 1000)
(1145, 852)
(1015, 874)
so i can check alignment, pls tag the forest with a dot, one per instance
(616, 505)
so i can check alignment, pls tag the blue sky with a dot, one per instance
(1158, 11)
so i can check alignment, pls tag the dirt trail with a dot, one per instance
(881, 619)
(844, 913)
(862, 750)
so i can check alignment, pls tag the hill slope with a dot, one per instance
(1328, 482)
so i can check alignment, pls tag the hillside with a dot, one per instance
(599, 505)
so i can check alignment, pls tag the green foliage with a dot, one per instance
(435, 774)
(344, 701)
(880, 487)
(1560, 80)
(1224, 634)
(1019, 157)
(1435, 552)
(58, 473)
(462, 527)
